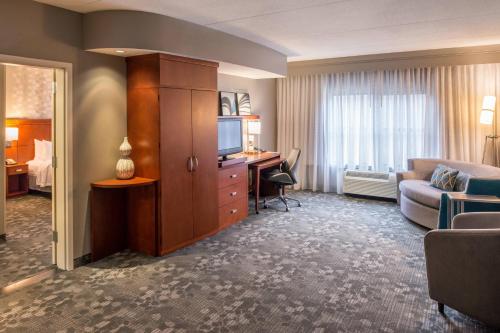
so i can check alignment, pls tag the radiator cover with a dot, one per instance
(370, 183)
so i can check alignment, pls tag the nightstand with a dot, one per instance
(16, 176)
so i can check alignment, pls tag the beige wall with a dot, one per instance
(262, 100)
(32, 30)
(455, 56)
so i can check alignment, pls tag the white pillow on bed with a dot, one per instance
(40, 150)
(48, 149)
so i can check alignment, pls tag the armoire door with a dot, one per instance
(176, 189)
(205, 177)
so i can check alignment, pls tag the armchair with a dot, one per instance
(463, 266)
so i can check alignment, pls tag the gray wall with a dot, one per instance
(149, 31)
(262, 100)
(29, 29)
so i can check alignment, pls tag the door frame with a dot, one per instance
(62, 128)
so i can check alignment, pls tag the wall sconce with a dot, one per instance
(253, 132)
(11, 134)
(487, 117)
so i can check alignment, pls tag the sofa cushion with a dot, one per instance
(461, 181)
(444, 178)
(421, 191)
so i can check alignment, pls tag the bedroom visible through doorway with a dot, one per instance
(26, 247)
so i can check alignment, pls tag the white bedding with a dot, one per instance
(42, 170)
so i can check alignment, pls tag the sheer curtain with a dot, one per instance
(377, 120)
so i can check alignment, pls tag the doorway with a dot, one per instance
(35, 223)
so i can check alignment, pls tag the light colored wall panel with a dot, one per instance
(263, 102)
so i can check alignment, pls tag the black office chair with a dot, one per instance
(284, 176)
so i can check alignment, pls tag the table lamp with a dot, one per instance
(11, 134)
(487, 117)
(253, 132)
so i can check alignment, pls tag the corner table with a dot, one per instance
(123, 215)
(456, 202)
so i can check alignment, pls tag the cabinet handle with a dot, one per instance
(196, 163)
(19, 170)
(233, 194)
(233, 176)
(190, 164)
(233, 211)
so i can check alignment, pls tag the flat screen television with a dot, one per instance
(230, 134)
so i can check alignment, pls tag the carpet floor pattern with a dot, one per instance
(337, 264)
(27, 249)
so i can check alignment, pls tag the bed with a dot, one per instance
(40, 168)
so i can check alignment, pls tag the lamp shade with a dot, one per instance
(11, 133)
(254, 127)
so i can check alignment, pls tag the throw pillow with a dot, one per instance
(444, 178)
(461, 181)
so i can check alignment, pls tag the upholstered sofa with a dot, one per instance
(418, 200)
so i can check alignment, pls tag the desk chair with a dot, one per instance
(284, 176)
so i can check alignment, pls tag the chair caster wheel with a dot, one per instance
(300, 205)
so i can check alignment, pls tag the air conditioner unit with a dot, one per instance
(369, 183)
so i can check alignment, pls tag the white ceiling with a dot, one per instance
(317, 29)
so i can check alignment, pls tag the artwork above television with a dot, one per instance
(234, 104)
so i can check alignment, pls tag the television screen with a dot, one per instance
(230, 136)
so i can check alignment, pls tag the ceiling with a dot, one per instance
(318, 29)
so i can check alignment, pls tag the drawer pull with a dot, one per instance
(233, 211)
(233, 176)
(233, 194)
(19, 170)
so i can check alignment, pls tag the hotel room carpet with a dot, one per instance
(27, 249)
(337, 264)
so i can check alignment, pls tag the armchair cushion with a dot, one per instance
(478, 220)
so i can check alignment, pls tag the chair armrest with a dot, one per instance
(463, 271)
(400, 176)
(478, 220)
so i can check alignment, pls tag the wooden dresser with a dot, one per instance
(233, 194)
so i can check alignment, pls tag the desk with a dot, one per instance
(123, 215)
(459, 198)
(257, 163)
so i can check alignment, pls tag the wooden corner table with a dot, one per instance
(459, 198)
(123, 215)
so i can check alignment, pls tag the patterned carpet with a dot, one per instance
(27, 249)
(337, 264)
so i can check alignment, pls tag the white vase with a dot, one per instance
(125, 166)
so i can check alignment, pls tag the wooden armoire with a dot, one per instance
(172, 127)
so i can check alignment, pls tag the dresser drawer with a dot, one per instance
(18, 169)
(233, 175)
(233, 212)
(232, 193)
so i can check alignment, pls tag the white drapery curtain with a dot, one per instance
(377, 120)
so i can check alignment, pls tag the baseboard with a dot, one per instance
(82, 261)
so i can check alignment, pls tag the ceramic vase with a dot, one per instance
(125, 166)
